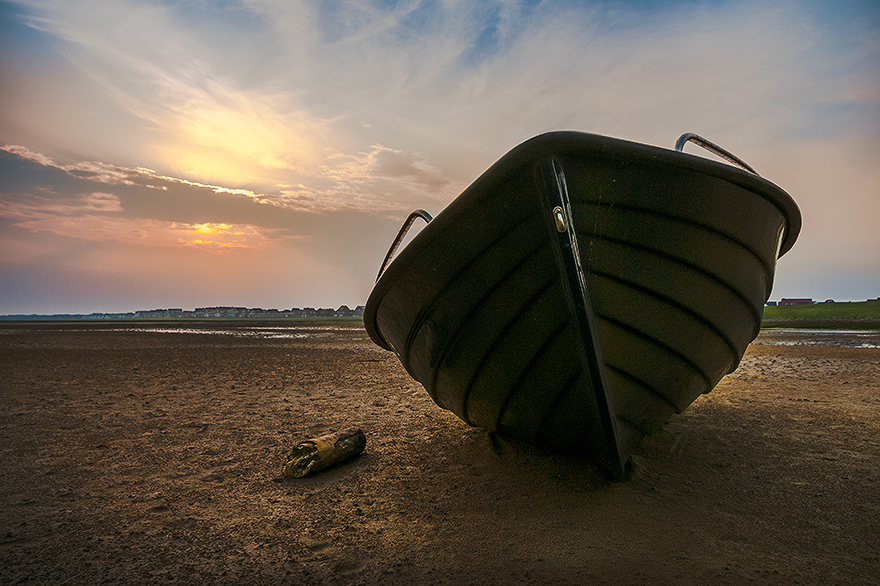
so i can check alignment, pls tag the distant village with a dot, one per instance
(260, 313)
(211, 312)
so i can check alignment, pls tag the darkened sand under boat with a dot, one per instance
(585, 288)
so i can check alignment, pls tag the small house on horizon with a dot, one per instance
(804, 301)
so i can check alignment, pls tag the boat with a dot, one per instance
(584, 289)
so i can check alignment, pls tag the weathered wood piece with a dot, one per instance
(315, 454)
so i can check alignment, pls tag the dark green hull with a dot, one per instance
(583, 289)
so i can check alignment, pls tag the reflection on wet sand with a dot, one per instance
(819, 337)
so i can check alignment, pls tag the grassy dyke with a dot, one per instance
(849, 315)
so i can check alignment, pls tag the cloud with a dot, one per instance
(102, 202)
(118, 223)
(209, 237)
(381, 181)
(75, 210)
(306, 125)
(300, 93)
(114, 174)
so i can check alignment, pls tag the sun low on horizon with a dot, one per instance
(264, 152)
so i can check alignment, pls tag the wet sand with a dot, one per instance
(153, 458)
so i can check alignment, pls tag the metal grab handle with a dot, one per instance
(407, 224)
(713, 148)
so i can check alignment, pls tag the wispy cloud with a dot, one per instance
(93, 170)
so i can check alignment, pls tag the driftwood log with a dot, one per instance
(315, 454)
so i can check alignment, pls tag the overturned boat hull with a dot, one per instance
(583, 289)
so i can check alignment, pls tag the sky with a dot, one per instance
(262, 153)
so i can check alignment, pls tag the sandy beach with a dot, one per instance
(154, 457)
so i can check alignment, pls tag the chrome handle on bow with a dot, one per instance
(712, 148)
(407, 224)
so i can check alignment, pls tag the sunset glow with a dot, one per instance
(277, 133)
(208, 228)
